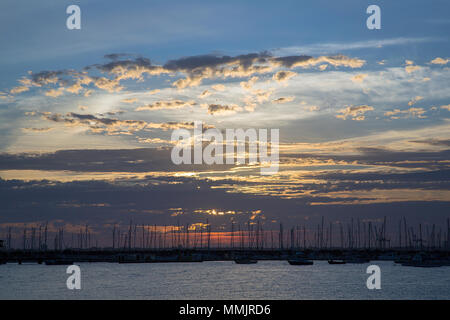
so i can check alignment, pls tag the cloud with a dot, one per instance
(223, 109)
(326, 48)
(435, 142)
(110, 126)
(155, 91)
(247, 85)
(74, 81)
(359, 77)
(262, 95)
(440, 61)
(312, 108)
(415, 100)
(410, 67)
(48, 77)
(218, 87)
(70, 80)
(257, 96)
(39, 130)
(193, 69)
(308, 61)
(110, 85)
(116, 56)
(100, 160)
(169, 104)
(205, 94)
(411, 112)
(202, 67)
(283, 100)
(131, 68)
(19, 89)
(156, 141)
(355, 112)
(100, 186)
(282, 76)
(54, 92)
(446, 107)
(78, 83)
(129, 100)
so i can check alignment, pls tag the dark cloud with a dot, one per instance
(128, 64)
(111, 126)
(218, 108)
(149, 201)
(290, 61)
(122, 66)
(168, 104)
(337, 194)
(46, 77)
(434, 142)
(384, 157)
(192, 63)
(116, 56)
(127, 160)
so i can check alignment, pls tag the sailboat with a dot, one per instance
(337, 261)
(58, 262)
(297, 261)
(245, 261)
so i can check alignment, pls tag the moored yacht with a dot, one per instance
(300, 262)
(245, 261)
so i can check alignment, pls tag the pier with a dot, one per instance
(212, 254)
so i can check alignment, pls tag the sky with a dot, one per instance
(86, 116)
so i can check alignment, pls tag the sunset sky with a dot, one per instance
(86, 115)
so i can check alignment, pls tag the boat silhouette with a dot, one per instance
(300, 262)
(337, 261)
(245, 261)
(58, 262)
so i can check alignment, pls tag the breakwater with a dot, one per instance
(219, 254)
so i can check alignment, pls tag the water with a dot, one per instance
(223, 280)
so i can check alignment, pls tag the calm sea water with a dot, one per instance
(223, 280)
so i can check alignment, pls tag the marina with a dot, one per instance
(355, 243)
(410, 258)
